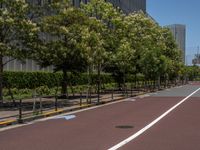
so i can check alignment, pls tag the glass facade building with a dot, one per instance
(179, 33)
(129, 6)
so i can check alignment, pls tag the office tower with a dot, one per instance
(129, 6)
(179, 33)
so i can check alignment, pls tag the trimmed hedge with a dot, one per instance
(33, 80)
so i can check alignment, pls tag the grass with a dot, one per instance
(44, 90)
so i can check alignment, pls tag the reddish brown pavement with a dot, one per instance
(180, 130)
(90, 130)
(195, 83)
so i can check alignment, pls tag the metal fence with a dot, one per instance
(42, 106)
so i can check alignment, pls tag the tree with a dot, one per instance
(17, 32)
(123, 58)
(141, 32)
(173, 54)
(62, 40)
(106, 17)
(94, 51)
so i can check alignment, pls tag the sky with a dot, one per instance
(185, 12)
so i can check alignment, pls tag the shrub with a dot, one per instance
(43, 90)
(32, 80)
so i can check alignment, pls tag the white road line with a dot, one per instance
(151, 124)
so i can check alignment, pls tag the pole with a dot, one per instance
(1, 80)
(56, 103)
(112, 96)
(81, 99)
(20, 112)
(40, 104)
(98, 86)
(131, 89)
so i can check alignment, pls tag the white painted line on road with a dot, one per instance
(124, 142)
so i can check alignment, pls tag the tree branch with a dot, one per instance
(8, 61)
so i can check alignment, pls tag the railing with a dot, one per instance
(40, 106)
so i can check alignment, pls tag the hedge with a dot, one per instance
(31, 80)
(36, 79)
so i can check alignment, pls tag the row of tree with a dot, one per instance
(96, 36)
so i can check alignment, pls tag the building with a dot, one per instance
(127, 6)
(179, 33)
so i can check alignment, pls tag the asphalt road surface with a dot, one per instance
(167, 120)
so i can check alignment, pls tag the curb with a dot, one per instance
(8, 122)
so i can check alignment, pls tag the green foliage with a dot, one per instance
(17, 93)
(192, 72)
(65, 30)
(43, 90)
(32, 80)
(17, 32)
(96, 37)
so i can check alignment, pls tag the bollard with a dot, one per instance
(87, 97)
(41, 105)
(112, 96)
(56, 103)
(126, 91)
(20, 112)
(131, 90)
(81, 99)
(90, 97)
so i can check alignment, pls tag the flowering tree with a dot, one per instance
(105, 18)
(17, 32)
(62, 40)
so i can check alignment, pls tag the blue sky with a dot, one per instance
(186, 12)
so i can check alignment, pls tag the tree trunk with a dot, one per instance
(99, 82)
(64, 83)
(11, 95)
(135, 81)
(89, 82)
(124, 82)
(159, 82)
(72, 89)
(1, 80)
(71, 86)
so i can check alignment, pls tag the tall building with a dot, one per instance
(179, 33)
(127, 6)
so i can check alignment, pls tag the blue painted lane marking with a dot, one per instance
(68, 117)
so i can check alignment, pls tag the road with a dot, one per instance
(167, 120)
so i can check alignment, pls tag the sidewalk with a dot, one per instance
(9, 117)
